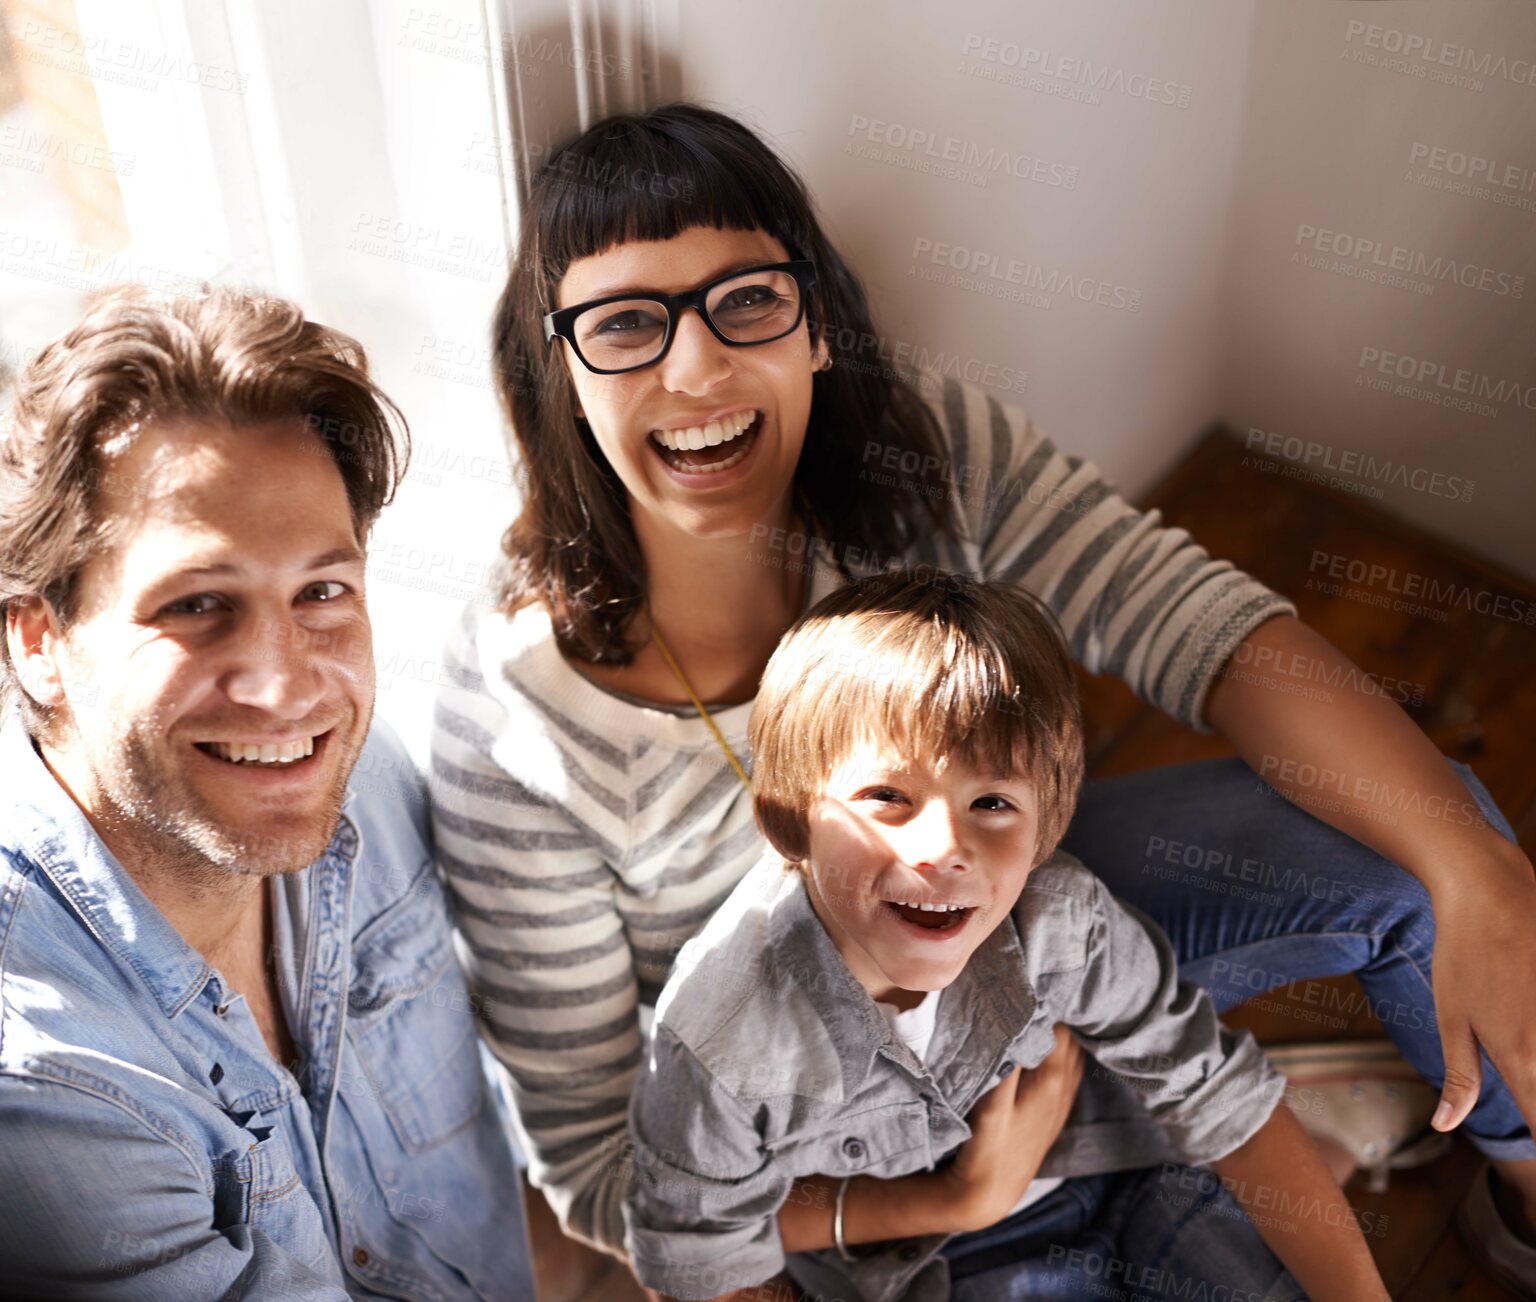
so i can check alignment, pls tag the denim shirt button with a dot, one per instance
(910, 1252)
(853, 1148)
(360, 1256)
(1004, 1070)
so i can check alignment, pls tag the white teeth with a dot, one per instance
(705, 436)
(265, 753)
(932, 908)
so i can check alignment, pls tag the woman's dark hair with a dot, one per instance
(646, 177)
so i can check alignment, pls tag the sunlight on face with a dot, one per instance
(897, 831)
(228, 613)
(700, 377)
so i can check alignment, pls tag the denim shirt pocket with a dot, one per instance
(408, 1003)
(258, 1186)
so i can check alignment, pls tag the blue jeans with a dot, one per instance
(1254, 893)
(1162, 1232)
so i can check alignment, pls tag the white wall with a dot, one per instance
(1339, 144)
(1197, 207)
(357, 169)
(1147, 211)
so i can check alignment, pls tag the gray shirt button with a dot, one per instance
(853, 1148)
(1004, 1070)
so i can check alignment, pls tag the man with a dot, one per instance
(237, 1058)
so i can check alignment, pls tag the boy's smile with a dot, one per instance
(912, 865)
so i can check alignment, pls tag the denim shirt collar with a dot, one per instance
(992, 994)
(54, 831)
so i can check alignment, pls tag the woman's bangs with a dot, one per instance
(633, 185)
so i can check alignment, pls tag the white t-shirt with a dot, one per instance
(914, 1028)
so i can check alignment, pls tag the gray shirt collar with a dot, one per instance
(991, 1001)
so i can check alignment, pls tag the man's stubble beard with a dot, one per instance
(175, 833)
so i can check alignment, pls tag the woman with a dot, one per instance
(696, 473)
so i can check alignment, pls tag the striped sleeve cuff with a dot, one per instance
(1238, 606)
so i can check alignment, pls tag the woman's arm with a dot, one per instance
(1352, 758)
(1300, 1211)
(1146, 603)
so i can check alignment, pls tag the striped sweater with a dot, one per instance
(585, 836)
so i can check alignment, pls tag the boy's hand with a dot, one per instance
(1012, 1128)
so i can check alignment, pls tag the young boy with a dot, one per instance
(917, 753)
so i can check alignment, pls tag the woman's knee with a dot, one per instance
(1485, 801)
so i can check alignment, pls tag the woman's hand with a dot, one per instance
(1012, 1129)
(1480, 884)
(1485, 984)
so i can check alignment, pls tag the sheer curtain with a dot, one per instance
(366, 160)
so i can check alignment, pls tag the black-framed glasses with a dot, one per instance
(624, 332)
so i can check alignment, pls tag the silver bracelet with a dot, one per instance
(837, 1221)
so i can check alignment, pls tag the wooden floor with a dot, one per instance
(1478, 673)
(1479, 707)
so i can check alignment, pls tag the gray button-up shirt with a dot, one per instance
(769, 1063)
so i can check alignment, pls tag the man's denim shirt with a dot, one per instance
(769, 1062)
(152, 1147)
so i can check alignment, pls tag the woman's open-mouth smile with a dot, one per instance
(699, 454)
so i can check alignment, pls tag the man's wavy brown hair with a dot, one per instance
(219, 355)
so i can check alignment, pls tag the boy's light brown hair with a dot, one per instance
(139, 356)
(933, 664)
